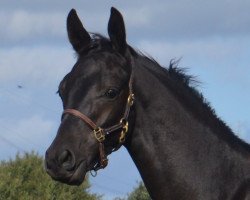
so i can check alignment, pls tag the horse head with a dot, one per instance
(96, 96)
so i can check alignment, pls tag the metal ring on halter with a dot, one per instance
(93, 173)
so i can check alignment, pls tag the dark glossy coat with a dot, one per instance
(180, 147)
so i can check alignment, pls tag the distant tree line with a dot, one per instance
(24, 178)
(139, 193)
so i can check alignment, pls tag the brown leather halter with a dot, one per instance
(101, 133)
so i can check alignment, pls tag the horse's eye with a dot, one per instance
(111, 93)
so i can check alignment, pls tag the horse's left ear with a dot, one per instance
(116, 31)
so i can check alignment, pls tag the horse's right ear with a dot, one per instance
(116, 31)
(78, 36)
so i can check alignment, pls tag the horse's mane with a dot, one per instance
(183, 86)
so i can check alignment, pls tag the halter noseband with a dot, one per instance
(101, 133)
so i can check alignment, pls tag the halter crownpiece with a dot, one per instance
(101, 133)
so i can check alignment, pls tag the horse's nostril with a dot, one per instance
(64, 157)
(66, 160)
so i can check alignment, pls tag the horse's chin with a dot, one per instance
(79, 174)
(74, 178)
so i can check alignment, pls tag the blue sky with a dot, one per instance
(212, 38)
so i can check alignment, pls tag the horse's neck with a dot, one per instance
(172, 149)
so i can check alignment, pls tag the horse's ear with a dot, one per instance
(116, 31)
(77, 34)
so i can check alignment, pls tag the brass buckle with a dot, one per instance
(99, 135)
(122, 137)
(124, 130)
(131, 98)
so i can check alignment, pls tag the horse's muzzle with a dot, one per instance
(64, 169)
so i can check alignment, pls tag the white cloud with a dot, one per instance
(25, 25)
(222, 55)
(31, 133)
(138, 17)
(195, 19)
(181, 20)
(41, 65)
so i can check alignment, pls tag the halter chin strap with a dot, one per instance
(101, 133)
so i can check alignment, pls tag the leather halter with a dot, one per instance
(101, 133)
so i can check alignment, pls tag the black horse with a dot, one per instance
(116, 96)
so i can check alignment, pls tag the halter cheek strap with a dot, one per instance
(101, 133)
